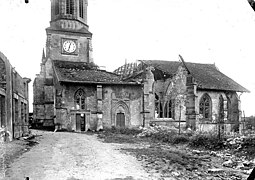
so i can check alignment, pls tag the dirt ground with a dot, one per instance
(74, 156)
(179, 162)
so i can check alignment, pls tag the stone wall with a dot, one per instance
(14, 100)
(230, 121)
(174, 89)
(126, 99)
(55, 51)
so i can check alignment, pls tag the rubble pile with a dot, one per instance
(152, 130)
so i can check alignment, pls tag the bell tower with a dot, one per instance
(68, 37)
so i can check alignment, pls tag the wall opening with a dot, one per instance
(120, 120)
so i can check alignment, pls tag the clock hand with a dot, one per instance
(69, 46)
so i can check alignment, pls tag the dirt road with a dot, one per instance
(74, 156)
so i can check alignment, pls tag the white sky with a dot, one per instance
(202, 31)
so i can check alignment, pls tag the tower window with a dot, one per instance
(56, 7)
(69, 6)
(81, 8)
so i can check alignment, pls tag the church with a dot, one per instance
(71, 92)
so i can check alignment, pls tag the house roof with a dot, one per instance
(206, 75)
(82, 72)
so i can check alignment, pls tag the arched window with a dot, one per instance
(205, 107)
(229, 109)
(221, 108)
(169, 109)
(69, 6)
(80, 99)
(56, 7)
(81, 8)
(160, 110)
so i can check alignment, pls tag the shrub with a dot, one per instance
(127, 131)
(207, 141)
(182, 138)
(248, 145)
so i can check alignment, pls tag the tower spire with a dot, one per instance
(43, 54)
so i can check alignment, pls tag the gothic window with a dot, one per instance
(169, 109)
(69, 6)
(221, 108)
(229, 108)
(81, 8)
(166, 111)
(56, 7)
(205, 107)
(22, 112)
(25, 112)
(2, 110)
(80, 99)
(160, 110)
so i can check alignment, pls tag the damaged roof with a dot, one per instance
(206, 75)
(82, 72)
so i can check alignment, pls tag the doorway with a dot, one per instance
(80, 122)
(120, 120)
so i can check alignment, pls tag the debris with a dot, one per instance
(229, 163)
(215, 170)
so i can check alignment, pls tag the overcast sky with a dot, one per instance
(202, 31)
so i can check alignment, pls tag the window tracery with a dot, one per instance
(164, 109)
(205, 107)
(80, 99)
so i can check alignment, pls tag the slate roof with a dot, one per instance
(206, 75)
(81, 72)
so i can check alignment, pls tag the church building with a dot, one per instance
(191, 95)
(71, 92)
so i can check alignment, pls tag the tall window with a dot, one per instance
(25, 112)
(56, 7)
(22, 112)
(16, 110)
(221, 108)
(80, 99)
(166, 111)
(2, 110)
(69, 6)
(169, 109)
(205, 107)
(81, 8)
(229, 108)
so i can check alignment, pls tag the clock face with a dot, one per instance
(69, 46)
